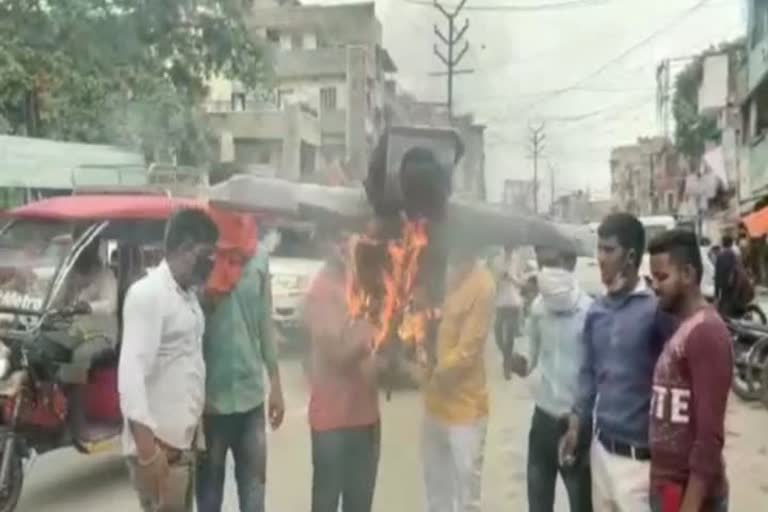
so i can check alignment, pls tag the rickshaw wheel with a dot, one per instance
(9, 497)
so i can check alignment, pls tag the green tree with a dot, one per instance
(127, 72)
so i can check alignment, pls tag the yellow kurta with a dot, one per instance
(457, 392)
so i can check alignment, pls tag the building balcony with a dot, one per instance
(757, 64)
(320, 62)
(758, 163)
(268, 124)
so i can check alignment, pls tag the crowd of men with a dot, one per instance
(630, 388)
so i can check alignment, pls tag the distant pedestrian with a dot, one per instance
(456, 394)
(161, 377)
(510, 280)
(343, 406)
(555, 328)
(725, 269)
(239, 351)
(623, 337)
(690, 386)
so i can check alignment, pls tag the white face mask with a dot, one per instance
(556, 281)
(558, 288)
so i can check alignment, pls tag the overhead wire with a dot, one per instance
(621, 56)
(549, 6)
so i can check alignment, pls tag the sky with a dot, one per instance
(586, 71)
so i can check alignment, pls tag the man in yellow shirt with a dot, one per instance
(456, 396)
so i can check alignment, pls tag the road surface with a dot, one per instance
(67, 482)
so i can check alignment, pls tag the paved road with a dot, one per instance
(67, 482)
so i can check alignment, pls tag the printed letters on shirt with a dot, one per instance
(671, 404)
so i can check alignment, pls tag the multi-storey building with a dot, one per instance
(647, 177)
(329, 61)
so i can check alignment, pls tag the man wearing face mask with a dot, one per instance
(623, 337)
(554, 336)
(161, 376)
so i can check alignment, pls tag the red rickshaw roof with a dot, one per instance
(104, 207)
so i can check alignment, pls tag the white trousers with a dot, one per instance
(453, 465)
(619, 484)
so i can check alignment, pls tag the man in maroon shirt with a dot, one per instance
(690, 386)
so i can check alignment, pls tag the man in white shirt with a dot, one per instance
(162, 375)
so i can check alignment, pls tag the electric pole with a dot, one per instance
(452, 59)
(536, 140)
(551, 188)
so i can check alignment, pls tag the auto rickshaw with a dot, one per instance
(39, 247)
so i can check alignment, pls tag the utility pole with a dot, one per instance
(551, 188)
(536, 141)
(452, 59)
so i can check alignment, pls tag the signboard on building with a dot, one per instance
(713, 93)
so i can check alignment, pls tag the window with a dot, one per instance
(273, 35)
(760, 22)
(282, 96)
(238, 102)
(297, 42)
(328, 98)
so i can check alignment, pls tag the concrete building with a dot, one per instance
(330, 58)
(518, 194)
(647, 177)
(261, 138)
(754, 104)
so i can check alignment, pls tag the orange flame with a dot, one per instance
(382, 289)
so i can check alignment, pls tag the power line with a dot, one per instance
(621, 56)
(561, 5)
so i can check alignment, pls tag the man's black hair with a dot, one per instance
(682, 246)
(189, 225)
(727, 241)
(628, 230)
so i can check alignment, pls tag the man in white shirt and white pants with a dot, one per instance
(161, 376)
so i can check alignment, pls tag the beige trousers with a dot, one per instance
(180, 486)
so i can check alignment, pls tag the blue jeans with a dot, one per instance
(244, 434)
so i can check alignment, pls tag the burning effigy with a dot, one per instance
(383, 288)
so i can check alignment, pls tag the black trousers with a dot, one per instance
(345, 463)
(543, 466)
(506, 328)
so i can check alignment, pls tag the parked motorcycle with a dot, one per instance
(750, 349)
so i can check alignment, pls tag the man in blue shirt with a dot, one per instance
(623, 337)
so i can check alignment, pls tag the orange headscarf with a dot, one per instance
(237, 243)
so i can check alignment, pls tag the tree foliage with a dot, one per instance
(693, 130)
(128, 72)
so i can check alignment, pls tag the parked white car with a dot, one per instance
(294, 262)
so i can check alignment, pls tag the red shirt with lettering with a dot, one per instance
(690, 392)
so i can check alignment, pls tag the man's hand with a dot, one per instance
(566, 453)
(518, 365)
(152, 475)
(276, 407)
